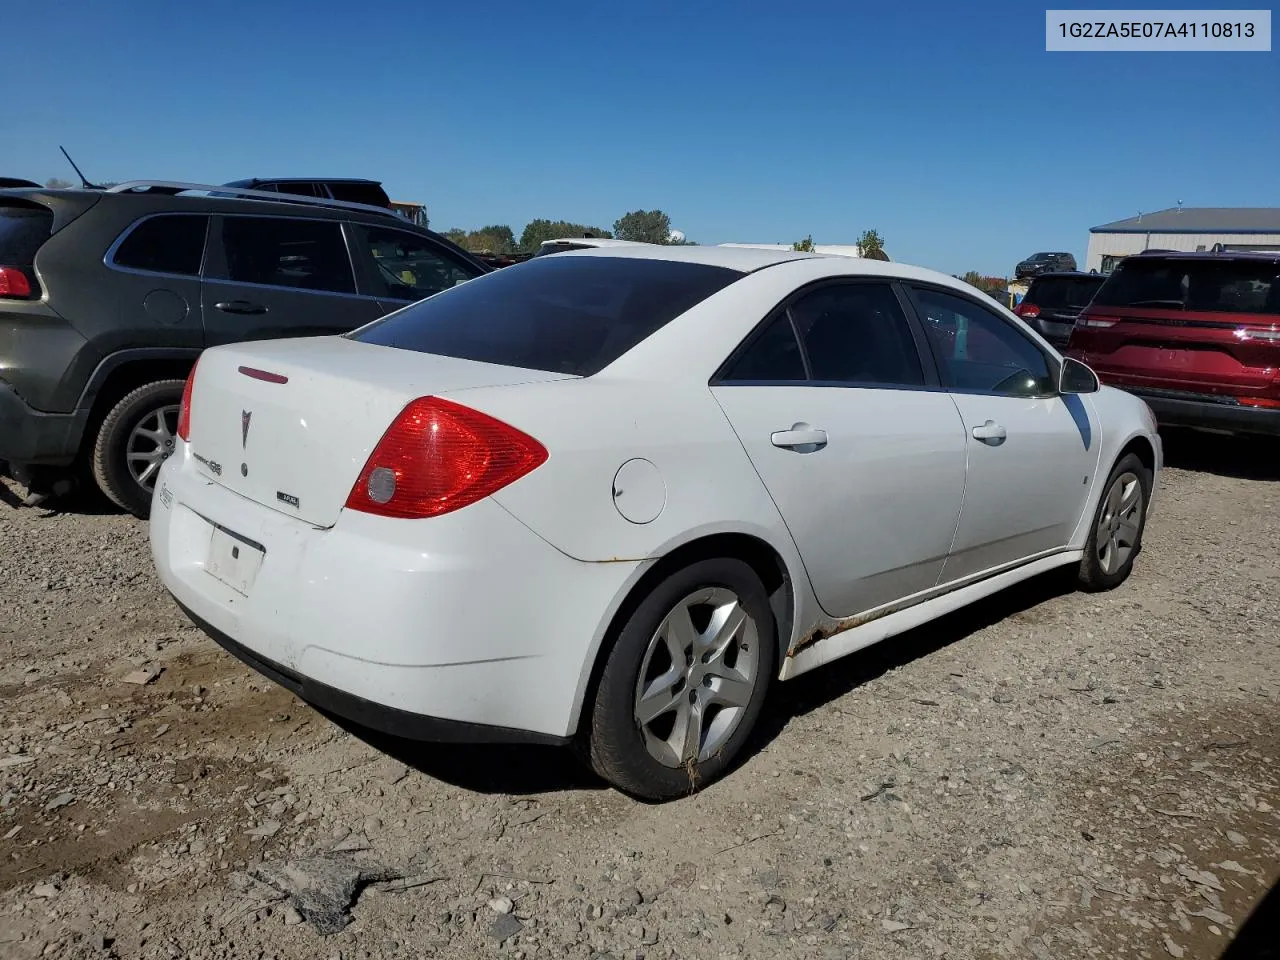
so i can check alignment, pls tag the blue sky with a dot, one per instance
(945, 126)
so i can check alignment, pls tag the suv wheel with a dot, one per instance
(136, 437)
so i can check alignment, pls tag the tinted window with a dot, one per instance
(857, 333)
(22, 230)
(307, 254)
(773, 355)
(1063, 292)
(369, 193)
(406, 267)
(977, 350)
(573, 315)
(168, 244)
(1219, 286)
(298, 188)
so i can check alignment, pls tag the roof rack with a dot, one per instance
(173, 187)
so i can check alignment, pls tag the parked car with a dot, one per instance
(1197, 335)
(1039, 263)
(108, 297)
(1053, 303)
(496, 260)
(351, 190)
(610, 496)
(580, 243)
(10, 182)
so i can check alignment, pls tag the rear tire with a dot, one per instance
(137, 436)
(685, 681)
(1115, 537)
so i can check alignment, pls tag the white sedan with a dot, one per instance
(607, 497)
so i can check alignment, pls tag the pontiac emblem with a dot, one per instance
(245, 416)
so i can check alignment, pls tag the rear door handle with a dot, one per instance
(800, 435)
(240, 306)
(990, 432)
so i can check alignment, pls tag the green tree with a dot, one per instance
(643, 226)
(457, 235)
(805, 245)
(497, 238)
(973, 278)
(536, 231)
(871, 243)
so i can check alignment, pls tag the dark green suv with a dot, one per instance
(108, 296)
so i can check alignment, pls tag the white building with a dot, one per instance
(1188, 229)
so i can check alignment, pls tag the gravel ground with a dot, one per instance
(1049, 774)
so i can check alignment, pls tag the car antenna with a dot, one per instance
(87, 185)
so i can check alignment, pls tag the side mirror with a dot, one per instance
(1076, 377)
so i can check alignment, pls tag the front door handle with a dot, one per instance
(800, 435)
(240, 306)
(990, 432)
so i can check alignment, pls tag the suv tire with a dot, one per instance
(137, 436)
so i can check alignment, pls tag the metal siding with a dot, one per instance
(1123, 244)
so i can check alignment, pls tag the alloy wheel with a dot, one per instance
(697, 677)
(151, 443)
(1119, 523)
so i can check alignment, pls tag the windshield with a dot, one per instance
(1210, 286)
(572, 315)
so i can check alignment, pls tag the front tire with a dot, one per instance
(685, 681)
(137, 436)
(1115, 539)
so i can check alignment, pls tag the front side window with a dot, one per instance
(406, 267)
(978, 351)
(286, 252)
(167, 244)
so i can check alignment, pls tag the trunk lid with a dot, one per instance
(289, 424)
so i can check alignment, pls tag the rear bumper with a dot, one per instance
(1209, 414)
(29, 436)
(466, 626)
(1056, 333)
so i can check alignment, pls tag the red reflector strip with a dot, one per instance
(1260, 402)
(266, 375)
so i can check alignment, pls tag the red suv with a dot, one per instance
(1196, 335)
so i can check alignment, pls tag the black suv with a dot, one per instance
(1054, 301)
(107, 298)
(1039, 263)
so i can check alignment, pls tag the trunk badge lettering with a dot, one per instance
(288, 498)
(245, 417)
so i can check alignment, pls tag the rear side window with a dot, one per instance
(167, 244)
(572, 315)
(1209, 286)
(23, 229)
(407, 267)
(773, 356)
(1075, 292)
(286, 252)
(857, 333)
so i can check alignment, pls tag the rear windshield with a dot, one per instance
(1075, 292)
(1210, 286)
(23, 228)
(573, 315)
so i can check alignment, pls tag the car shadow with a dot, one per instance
(522, 770)
(1240, 457)
(1259, 938)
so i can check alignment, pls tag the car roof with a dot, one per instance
(1208, 255)
(249, 180)
(750, 259)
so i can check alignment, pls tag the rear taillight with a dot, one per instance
(1260, 402)
(438, 456)
(14, 284)
(184, 412)
(1028, 311)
